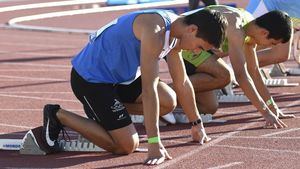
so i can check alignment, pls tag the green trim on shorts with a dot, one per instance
(195, 59)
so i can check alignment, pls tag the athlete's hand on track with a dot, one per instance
(272, 121)
(281, 115)
(199, 135)
(157, 154)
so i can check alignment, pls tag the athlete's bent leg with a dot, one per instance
(211, 74)
(207, 102)
(112, 141)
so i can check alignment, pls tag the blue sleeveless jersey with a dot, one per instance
(113, 52)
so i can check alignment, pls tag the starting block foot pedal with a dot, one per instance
(278, 70)
(233, 99)
(294, 72)
(30, 144)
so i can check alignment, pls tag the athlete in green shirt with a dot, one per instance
(207, 71)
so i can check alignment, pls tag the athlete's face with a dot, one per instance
(261, 38)
(189, 41)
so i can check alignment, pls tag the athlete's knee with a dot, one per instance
(168, 102)
(126, 148)
(209, 108)
(212, 108)
(224, 78)
(170, 105)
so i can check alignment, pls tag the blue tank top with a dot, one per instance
(113, 52)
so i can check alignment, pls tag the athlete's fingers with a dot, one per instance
(154, 161)
(160, 160)
(167, 155)
(282, 123)
(267, 125)
(207, 139)
(286, 116)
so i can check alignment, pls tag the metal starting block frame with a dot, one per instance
(278, 83)
(29, 146)
(236, 98)
(206, 118)
(278, 70)
(230, 96)
(294, 71)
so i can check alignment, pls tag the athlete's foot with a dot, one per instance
(51, 128)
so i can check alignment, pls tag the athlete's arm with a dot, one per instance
(146, 28)
(236, 40)
(185, 94)
(253, 69)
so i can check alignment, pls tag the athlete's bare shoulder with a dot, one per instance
(152, 23)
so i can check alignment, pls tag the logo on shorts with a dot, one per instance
(121, 116)
(118, 106)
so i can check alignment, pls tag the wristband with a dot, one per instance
(195, 123)
(153, 140)
(270, 102)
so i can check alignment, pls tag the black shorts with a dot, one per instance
(189, 68)
(103, 102)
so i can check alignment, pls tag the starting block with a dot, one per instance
(278, 70)
(182, 118)
(10, 144)
(29, 144)
(278, 83)
(294, 72)
(206, 118)
(236, 98)
(228, 96)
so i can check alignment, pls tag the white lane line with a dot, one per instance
(48, 46)
(32, 54)
(260, 149)
(13, 22)
(13, 134)
(259, 137)
(207, 145)
(50, 39)
(16, 126)
(280, 132)
(32, 78)
(48, 4)
(31, 110)
(232, 137)
(37, 65)
(34, 92)
(38, 98)
(227, 165)
(34, 70)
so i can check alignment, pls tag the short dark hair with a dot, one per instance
(278, 23)
(211, 23)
